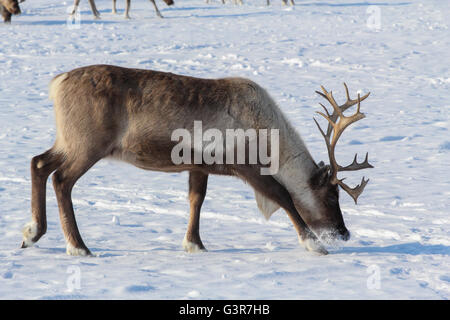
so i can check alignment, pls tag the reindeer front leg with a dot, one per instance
(198, 182)
(272, 189)
(127, 10)
(94, 9)
(156, 9)
(5, 14)
(76, 3)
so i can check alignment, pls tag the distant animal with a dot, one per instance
(8, 8)
(131, 115)
(291, 2)
(127, 10)
(268, 2)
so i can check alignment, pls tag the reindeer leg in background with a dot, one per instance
(94, 9)
(156, 9)
(114, 11)
(127, 10)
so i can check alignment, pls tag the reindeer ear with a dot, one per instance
(320, 177)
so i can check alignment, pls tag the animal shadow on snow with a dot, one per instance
(411, 248)
(351, 4)
(64, 22)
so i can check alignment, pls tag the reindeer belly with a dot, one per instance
(152, 155)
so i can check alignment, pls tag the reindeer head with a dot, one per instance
(324, 182)
(11, 6)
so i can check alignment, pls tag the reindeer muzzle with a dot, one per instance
(16, 10)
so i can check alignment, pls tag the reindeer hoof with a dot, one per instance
(29, 232)
(192, 247)
(314, 246)
(73, 251)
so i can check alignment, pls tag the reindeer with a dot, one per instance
(240, 2)
(127, 10)
(291, 2)
(105, 111)
(8, 8)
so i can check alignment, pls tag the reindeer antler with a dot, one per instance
(337, 122)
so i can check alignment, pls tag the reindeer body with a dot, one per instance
(106, 111)
(135, 111)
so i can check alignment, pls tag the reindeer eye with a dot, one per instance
(333, 195)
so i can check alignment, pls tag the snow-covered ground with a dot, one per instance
(134, 221)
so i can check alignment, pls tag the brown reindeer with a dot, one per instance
(291, 2)
(106, 111)
(240, 2)
(127, 10)
(8, 8)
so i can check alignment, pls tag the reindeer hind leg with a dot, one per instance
(41, 167)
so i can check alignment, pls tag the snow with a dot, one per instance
(134, 221)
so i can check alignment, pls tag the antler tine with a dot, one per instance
(330, 122)
(329, 96)
(326, 110)
(330, 147)
(346, 92)
(337, 110)
(356, 191)
(357, 166)
(327, 138)
(351, 102)
(359, 104)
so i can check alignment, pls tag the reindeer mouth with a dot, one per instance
(344, 235)
(15, 10)
(330, 236)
